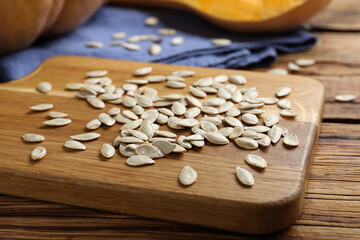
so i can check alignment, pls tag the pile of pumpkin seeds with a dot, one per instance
(229, 103)
(156, 39)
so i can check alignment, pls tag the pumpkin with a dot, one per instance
(23, 21)
(249, 16)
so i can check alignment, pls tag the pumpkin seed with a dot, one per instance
(44, 87)
(113, 111)
(109, 96)
(139, 160)
(165, 134)
(107, 150)
(129, 140)
(270, 120)
(255, 161)
(75, 145)
(259, 129)
(151, 21)
(173, 123)
(130, 46)
(345, 97)
(251, 134)
(187, 176)
(209, 90)
(291, 139)
(138, 134)
(118, 35)
(97, 73)
(293, 67)
(244, 176)
(204, 82)
(305, 62)
(179, 149)
(237, 79)
(192, 112)
(284, 104)
(93, 124)
(216, 138)
(236, 132)
(215, 120)
(275, 133)
(31, 137)
(250, 119)
(278, 71)
(221, 78)
(184, 73)
(126, 150)
(38, 153)
(288, 113)
(246, 143)
(106, 119)
(233, 122)
(208, 126)
(147, 127)
(155, 78)
(109, 89)
(85, 136)
(150, 115)
(154, 139)
(121, 119)
(264, 140)
(165, 146)
(175, 84)
(197, 92)
(178, 108)
(226, 131)
(149, 150)
(162, 118)
(132, 124)
(129, 102)
(284, 91)
(221, 42)
(167, 31)
(181, 140)
(177, 41)
(74, 86)
(58, 115)
(175, 78)
(94, 44)
(96, 103)
(42, 107)
(155, 49)
(269, 101)
(254, 111)
(214, 102)
(198, 143)
(247, 106)
(194, 102)
(84, 95)
(137, 82)
(188, 122)
(57, 122)
(233, 112)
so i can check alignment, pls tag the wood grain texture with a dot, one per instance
(216, 200)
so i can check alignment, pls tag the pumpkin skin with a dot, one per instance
(21, 22)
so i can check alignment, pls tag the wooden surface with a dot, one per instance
(82, 178)
(332, 200)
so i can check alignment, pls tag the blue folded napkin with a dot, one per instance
(197, 49)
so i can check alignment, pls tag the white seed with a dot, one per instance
(204, 82)
(192, 112)
(139, 160)
(138, 134)
(147, 127)
(154, 139)
(188, 122)
(226, 131)
(246, 105)
(113, 111)
(118, 35)
(44, 87)
(126, 150)
(104, 81)
(142, 71)
(165, 146)
(254, 111)
(106, 119)
(129, 101)
(109, 96)
(167, 31)
(293, 67)
(57, 122)
(107, 150)
(221, 42)
(165, 134)
(42, 107)
(198, 143)
(97, 73)
(278, 71)
(237, 79)
(96, 103)
(173, 123)
(217, 120)
(162, 118)
(216, 138)
(291, 139)
(151, 21)
(75, 145)
(155, 49)
(246, 143)
(221, 78)
(236, 132)
(129, 140)
(259, 129)
(143, 100)
(175, 84)
(244, 176)
(38, 153)
(284, 91)
(264, 140)
(275, 134)
(288, 113)
(184, 73)
(194, 137)
(94, 44)
(177, 40)
(284, 104)
(149, 150)
(179, 149)
(209, 90)
(175, 78)
(57, 114)
(269, 101)
(121, 119)
(233, 112)
(270, 120)
(132, 124)
(150, 115)
(233, 122)
(224, 94)
(214, 102)
(166, 111)
(31, 137)
(181, 140)
(187, 176)
(284, 130)
(194, 102)
(85, 136)
(93, 124)
(345, 97)
(197, 92)
(208, 126)
(178, 108)
(108, 88)
(305, 62)
(74, 86)
(155, 78)
(237, 96)
(251, 134)
(250, 119)
(84, 95)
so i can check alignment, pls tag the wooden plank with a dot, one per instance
(154, 191)
(339, 15)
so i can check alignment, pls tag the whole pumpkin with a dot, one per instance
(23, 21)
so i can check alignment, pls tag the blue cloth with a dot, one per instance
(196, 50)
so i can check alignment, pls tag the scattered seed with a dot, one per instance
(165, 146)
(284, 104)
(225, 131)
(149, 150)
(58, 114)
(275, 134)
(246, 143)
(75, 145)
(94, 44)
(93, 124)
(250, 119)
(288, 113)
(278, 71)
(175, 84)
(177, 41)
(264, 140)
(194, 102)
(221, 42)
(42, 107)
(139, 160)
(284, 91)
(74, 86)
(31, 137)
(305, 62)
(132, 124)
(129, 102)
(96, 103)
(208, 126)
(244, 176)
(151, 21)
(184, 73)
(38, 153)
(107, 150)
(259, 129)
(187, 176)
(167, 31)
(155, 49)
(106, 119)
(251, 134)
(188, 122)
(236, 132)
(178, 108)
(44, 87)
(291, 139)
(233, 112)
(345, 97)
(138, 134)
(57, 122)
(237, 79)
(179, 149)
(97, 73)
(270, 120)
(150, 115)
(293, 67)
(85, 136)
(118, 35)
(216, 138)
(181, 140)
(155, 78)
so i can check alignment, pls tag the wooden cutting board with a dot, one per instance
(216, 200)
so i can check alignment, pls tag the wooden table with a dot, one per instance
(332, 203)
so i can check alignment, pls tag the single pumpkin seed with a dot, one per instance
(246, 143)
(136, 82)
(113, 111)
(184, 73)
(198, 143)
(177, 40)
(38, 153)
(57, 122)
(75, 145)
(244, 176)
(155, 49)
(139, 160)
(166, 111)
(165, 146)
(178, 108)
(284, 104)
(167, 31)
(288, 113)
(293, 67)
(118, 35)
(42, 107)
(162, 118)
(275, 134)
(57, 114)
(221, 78)
(132, 124)
(236, 132)
(85, 136)
(44, 87)
(107, 150)
(175, 84)
(264, 140)
(179, 149)
(226, 131)
(188, 122)
(269, 101)
(165, 134)
(208, 126)
(155, 78)
(197, 92)
(121, 119)
(149, 150)
(233, 112)
(270, 120)
(345, 97)
(284, 91)
(129, 102)
(194, 102)
(221, 42)
(151, 21)
(93, 124)
(96, 103)
(250, 119)
(97, 73)
(187, 176)
(192, 112)
(173, 123)
(291, 139)
(150, 115)
(94, 44)
(302, 62)
(233, 122)
(278, 71)
(74, 86)
(106, 119)
(259, 129)
(216, 138)
(147, 127)
(31, 137)
(251, 134)
(237, 79)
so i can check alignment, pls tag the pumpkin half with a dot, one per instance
(249, 16)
